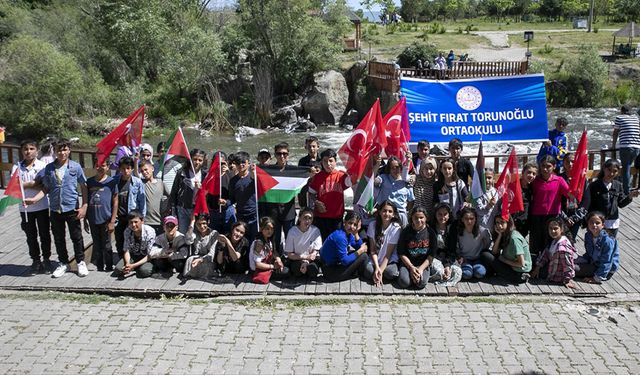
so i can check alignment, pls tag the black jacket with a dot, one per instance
(598, 198)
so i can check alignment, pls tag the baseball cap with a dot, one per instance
(170, 219)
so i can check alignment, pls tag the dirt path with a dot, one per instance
(500, 49)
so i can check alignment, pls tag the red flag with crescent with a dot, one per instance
(128, 133)
(509, 188)
(397, 144)
(366, 139)
(579, 171)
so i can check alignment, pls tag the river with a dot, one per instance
(598, 121)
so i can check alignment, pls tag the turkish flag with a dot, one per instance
(200, 206)
(366, 139)
(211, 182)
(396, 140)
(509, 188)
(128, 133)
(579, 171)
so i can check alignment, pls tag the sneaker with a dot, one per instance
(61, 270)
(82, 269)
(47, 266)
(525, 277)
(35, 268)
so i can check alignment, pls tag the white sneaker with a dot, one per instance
(82, 269)
(61, 270)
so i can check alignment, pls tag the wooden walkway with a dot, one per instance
(15, 262)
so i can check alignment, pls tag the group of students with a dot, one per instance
(425, 226)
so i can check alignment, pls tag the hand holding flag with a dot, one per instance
(509, 188)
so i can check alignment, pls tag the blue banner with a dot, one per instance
(496, 109)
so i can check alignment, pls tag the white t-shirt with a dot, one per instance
(390, 236)
(29, 175)
(300, 242)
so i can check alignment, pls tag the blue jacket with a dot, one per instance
(63, 195)
(557, 149)
(335, 249)
(604, 254)
(136, 200)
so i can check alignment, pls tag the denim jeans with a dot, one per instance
(184, 219)
(471, 269)
(58, 222)
(627, 157)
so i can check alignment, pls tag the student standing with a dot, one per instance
(464, 168)
(311, 160)
(326, 194)
(521, 219)
(155, 197)
(102, 214)
(242, 193)
(35, 217)
(283, 214)
(130, 197)
(186, 186)
(394, 189)
(61, 180)
(449, 188)
(626, 135)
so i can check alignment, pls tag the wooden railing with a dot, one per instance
(385, 76)
(10, 154)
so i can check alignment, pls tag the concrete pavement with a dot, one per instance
(67, 333)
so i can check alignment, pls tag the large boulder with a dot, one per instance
(328, 99)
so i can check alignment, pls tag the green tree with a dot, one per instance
(41, 88)
(293, 43)
(581, 81)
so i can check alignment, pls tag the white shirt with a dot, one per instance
(29, 175)
(390, 237)
(299, 242)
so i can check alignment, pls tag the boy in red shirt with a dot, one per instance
(326, 194)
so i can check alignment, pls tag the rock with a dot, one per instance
(328, 99)
(351, 118)
(243, 131)
(624, 71)
(284, 117)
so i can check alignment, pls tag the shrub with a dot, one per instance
(41, 88)
(546, 49)
(411, 54)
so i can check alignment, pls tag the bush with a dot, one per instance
(581, 80)
(546, 49)
(411, 54)
(41, 88)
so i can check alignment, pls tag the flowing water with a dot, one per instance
(598, 122)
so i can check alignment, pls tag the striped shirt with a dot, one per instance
(629, 131)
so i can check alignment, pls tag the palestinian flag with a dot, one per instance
(276, 185)
(13, 193)
(365, 189)
(176, 149)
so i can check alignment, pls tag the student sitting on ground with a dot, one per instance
(559, 256)
(203, 241)
(474, 244)
(343, 253)
(264, 260)
(170, 250)
(138, 241)
(602, 257)
(303, 246)
(446, 243)
(511, 252)
(232, 251)
(416, 249)
(383, 234)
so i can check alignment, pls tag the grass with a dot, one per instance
(386, 45)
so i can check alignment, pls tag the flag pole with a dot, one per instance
(26, 217)
(220, 180)
(255, 185)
